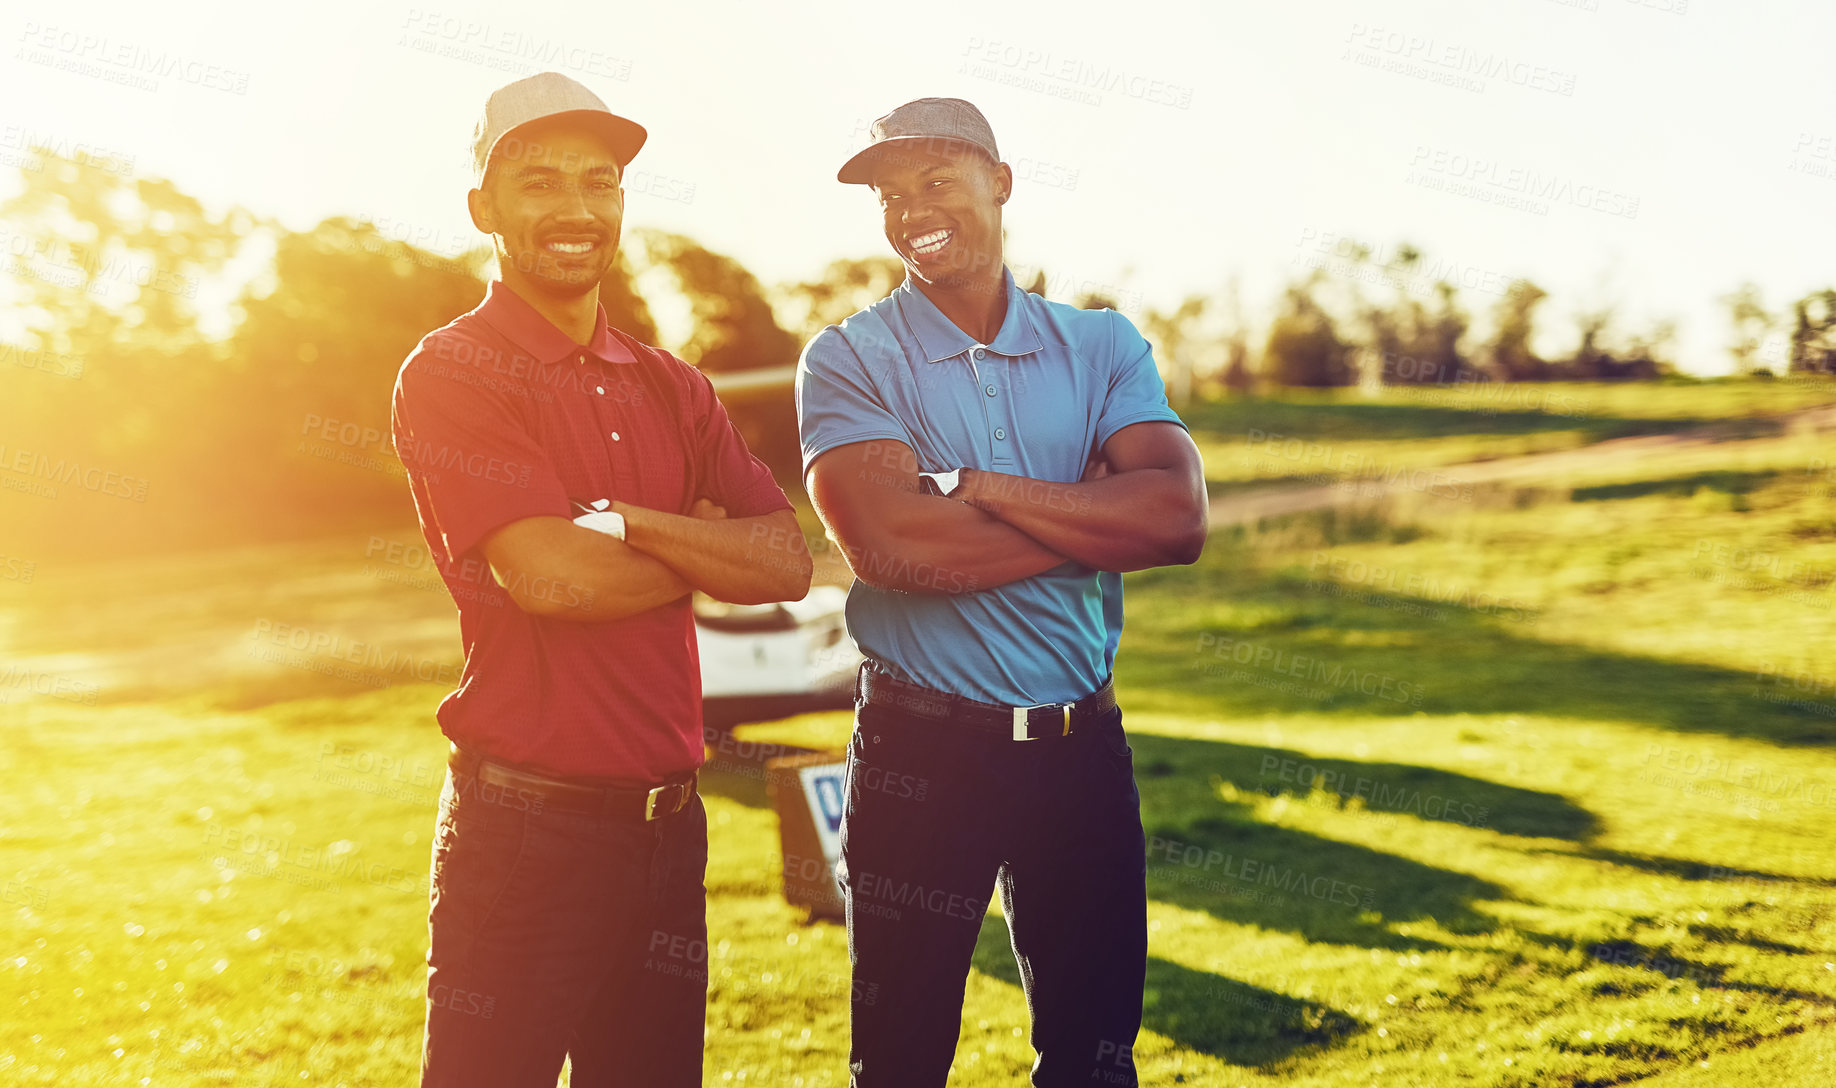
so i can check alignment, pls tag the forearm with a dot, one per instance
(588, 577)
(930, 544)
(753, 560)
(1147, 517)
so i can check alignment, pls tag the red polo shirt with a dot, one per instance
(500, 416)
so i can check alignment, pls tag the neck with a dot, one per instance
(574, 316)
(978, 306)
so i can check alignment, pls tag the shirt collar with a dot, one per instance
(507, 312)
(940, 339)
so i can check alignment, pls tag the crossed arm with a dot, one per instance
(552, 567)
(1141, 503)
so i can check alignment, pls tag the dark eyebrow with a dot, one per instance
(527, 169)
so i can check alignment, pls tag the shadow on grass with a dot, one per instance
(1373, 787)
(1686, 869)
(1206, 853)
(1242, 1024)
(1708, 976)
(1728, 483)
(1319, 647)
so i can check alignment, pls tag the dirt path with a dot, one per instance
(1254, 504)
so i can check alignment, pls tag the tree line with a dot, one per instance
(181, 377)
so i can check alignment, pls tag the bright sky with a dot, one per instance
(1659, 151)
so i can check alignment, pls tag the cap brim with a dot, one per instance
(859, 169)
(624, 136)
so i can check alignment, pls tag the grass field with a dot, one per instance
(1532, 786)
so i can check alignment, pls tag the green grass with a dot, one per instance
(1300, 434)
(1529, 807)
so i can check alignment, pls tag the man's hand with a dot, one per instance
(1140, 501)
(753, 560)
(895, 536)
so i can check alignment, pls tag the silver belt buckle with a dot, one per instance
(650, 800)
(1020, 719)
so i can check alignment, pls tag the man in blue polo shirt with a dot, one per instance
(989, 462)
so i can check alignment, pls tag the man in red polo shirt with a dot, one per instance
(574, 485)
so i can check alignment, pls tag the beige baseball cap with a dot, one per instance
(922, 122)
(544, 95)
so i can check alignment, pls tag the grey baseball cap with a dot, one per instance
(924, 121)
(543, 95)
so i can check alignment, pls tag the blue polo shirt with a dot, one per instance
(1055, 382)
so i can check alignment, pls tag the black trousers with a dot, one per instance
(936, 818)
(558, 935)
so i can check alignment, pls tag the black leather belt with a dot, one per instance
(538, 792)
(1016, 722)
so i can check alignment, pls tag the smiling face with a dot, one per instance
(552, 199)
(941, 208)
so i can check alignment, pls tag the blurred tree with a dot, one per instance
(1178, 338)
(626, 310)
(1813, 334)
(1414, 343)
(108, 271)
(1509, 352)
(1604, 355)
(1753, 325)
(732, 326)
(322, 335)
(1304, 346)
(105, 259)
(846, 286)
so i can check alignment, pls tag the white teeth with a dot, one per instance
(930, 243)
(571, 247)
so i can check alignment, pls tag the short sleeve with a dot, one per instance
(836, 399)
(472, 462)
(1135, 394)
(726, 470)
